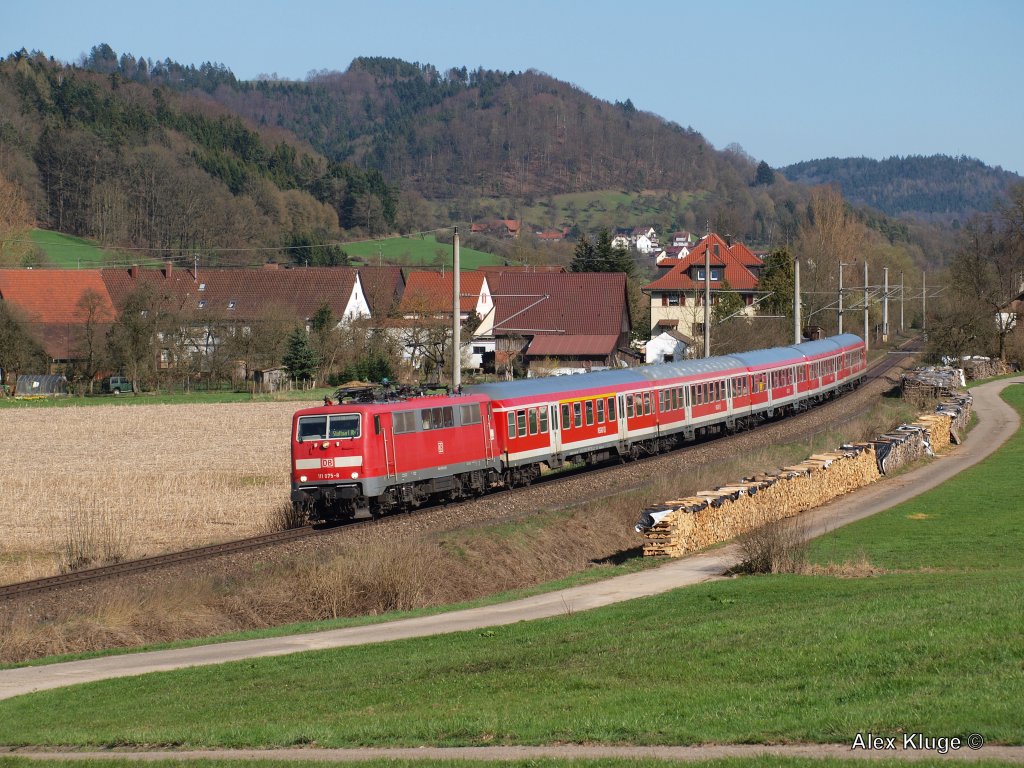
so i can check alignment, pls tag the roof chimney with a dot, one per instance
(133, 270)
(168, 266)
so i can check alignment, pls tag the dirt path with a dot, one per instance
(564, 752)
(997, 422)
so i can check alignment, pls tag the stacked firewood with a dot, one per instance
(685, 525)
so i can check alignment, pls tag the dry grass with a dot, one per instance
(87, 485)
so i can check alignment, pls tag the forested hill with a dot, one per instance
(441, 134)
(937, 188)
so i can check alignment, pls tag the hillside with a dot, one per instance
(178, 160)
(136, 166)
(939, 188)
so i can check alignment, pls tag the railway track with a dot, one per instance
(876, 370)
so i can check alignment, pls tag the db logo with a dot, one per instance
(326, 462)
(440, 446)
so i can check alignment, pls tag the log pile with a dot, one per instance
(984, 368)
(923, 386)
(685, 525)
(681, 526)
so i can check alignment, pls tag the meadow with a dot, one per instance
(926, 639)
(418, 251)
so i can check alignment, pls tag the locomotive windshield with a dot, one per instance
(343, 425)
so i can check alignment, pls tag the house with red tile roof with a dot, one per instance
(61, 307)
(503, 228)
(429, 294)
(577, 320)
(677, 297)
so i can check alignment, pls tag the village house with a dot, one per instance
(557, 322)
(63, 306)
(506, 229)
(677, 297)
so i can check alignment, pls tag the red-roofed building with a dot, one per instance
(61, 307)
(578, 320)
(678, 295)
(503, 228)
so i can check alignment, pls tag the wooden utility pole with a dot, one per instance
(707, 295)
(797, 333)
(456, 317)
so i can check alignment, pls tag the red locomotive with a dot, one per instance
(391, 452)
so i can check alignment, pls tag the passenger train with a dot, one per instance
(397, 453)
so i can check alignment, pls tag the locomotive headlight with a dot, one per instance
(355, 475)
(302, 478)
(324, 444)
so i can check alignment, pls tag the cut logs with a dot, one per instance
(681, 526)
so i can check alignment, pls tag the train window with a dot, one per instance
(425, 418)
(554, 417)
(312, 428)
(590, 412)
(647, 403)
(511, 424)
(566, 422)
(521, 422)
(469, 414)
(403, 422)
(448, 415)
(629, 406)
(801, 373)
(577, 415)
(533, 421)
(600, 410)
(344, 426)
(542, 412)
(611, 408)
(376, 424)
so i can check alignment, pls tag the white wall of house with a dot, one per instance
(357, 305)
(666, 349)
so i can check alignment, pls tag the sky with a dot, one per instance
(787, 80)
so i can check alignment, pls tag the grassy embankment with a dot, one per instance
(931, 644)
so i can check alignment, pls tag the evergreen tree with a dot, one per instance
(611, 259)
(300, 358)
(778, 278)
(584, 257)
(765, 175)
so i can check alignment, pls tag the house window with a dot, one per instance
(231, 305)
(202, 304)
(202, 286)
(478, 350)
(673, 299)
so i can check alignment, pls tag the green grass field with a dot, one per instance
(606, 209)
(416, 252)
(934, 645)
(67, 252)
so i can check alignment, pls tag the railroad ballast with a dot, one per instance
(382, 451)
